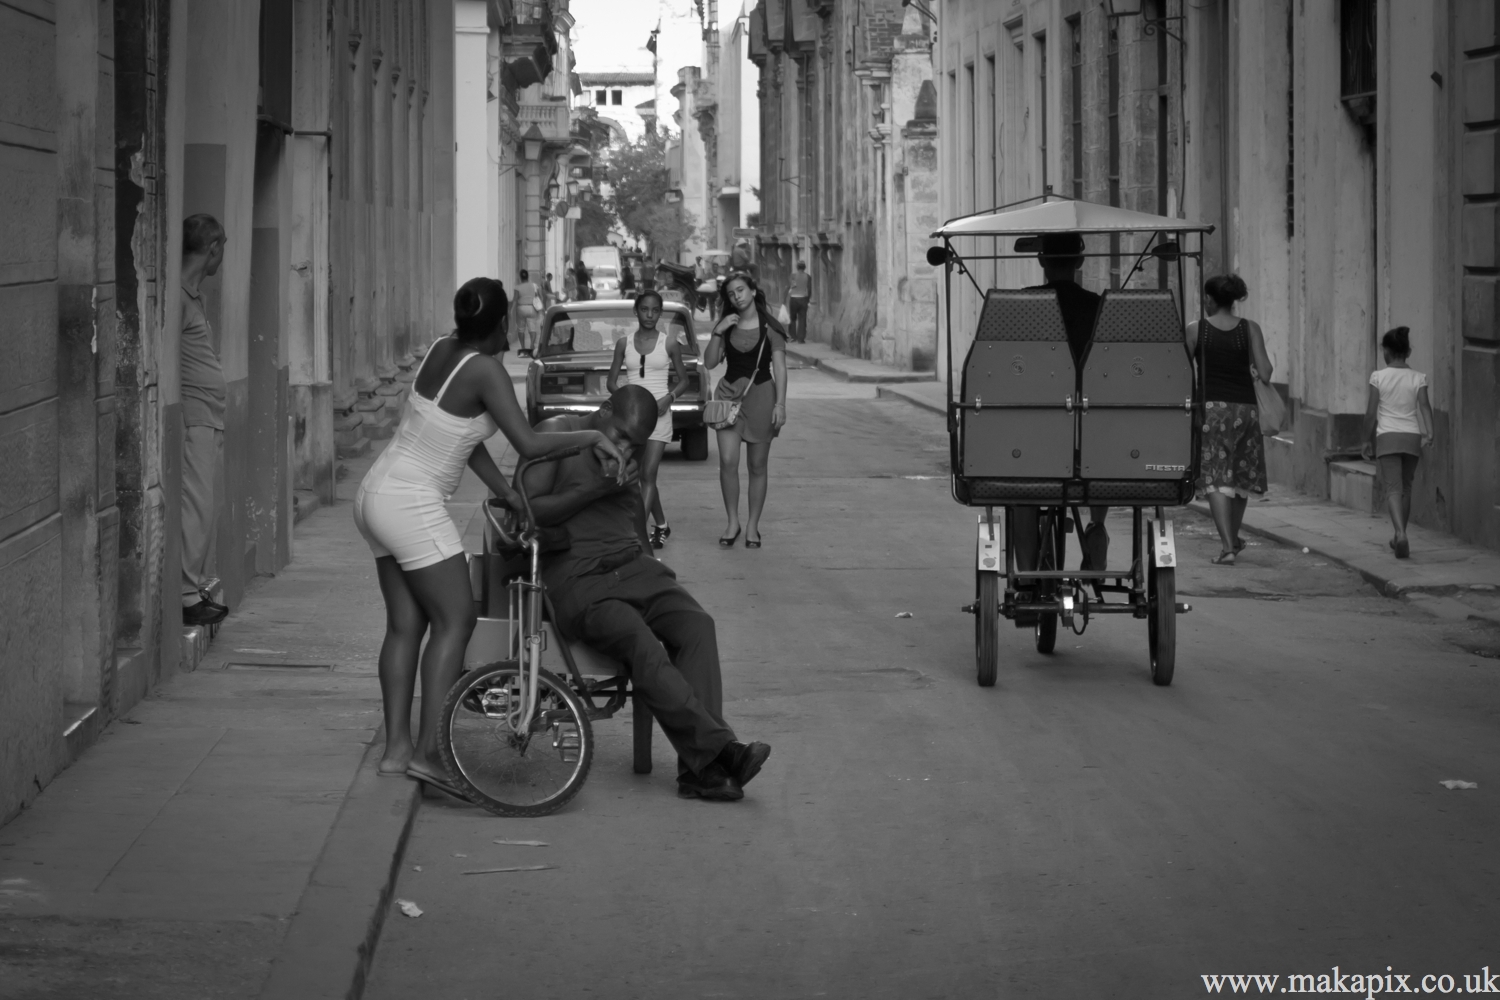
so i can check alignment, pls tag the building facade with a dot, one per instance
(620, 97)
(325, 149)
(848, 173)
(1345, 153)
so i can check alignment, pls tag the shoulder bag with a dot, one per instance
(1269, 405)
(723, 410)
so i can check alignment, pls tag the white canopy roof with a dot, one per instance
(1065, 215)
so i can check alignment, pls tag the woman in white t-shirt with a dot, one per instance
(1398, 425)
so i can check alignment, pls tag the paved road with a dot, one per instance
(1074, 831)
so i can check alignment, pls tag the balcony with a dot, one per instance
(551, 118)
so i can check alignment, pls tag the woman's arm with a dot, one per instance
(674, 352)
(1258, 355)
(778, 372)
(1192, 338)
(613, 382)
(499, 397)
(714, 352)
(1372, 408)
(1424, 416)
(482, 463)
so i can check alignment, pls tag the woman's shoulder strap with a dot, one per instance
(447, 381)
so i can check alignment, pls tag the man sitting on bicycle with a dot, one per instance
(609, 592)
(1061, 258)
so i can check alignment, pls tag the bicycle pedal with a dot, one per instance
(567, 741)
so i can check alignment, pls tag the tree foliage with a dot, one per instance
(597, 222)
(641, 181)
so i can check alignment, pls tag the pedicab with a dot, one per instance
(516, 735)
(1030, 429)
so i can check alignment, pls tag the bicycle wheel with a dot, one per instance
(987, 627)
(1048, 560)
(510, 773)
(1161, 622)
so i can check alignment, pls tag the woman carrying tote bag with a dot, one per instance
(1234, 451)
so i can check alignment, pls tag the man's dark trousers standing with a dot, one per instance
(797, 308)
(637, 614)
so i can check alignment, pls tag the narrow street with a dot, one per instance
(1074, 831)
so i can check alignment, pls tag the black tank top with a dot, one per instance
(1226, 363)
(739, 364)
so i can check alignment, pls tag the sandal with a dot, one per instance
(428, 778)
(1225, 558)
(1239, 546)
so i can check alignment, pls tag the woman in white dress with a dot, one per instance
(647, 358)
(461, 396)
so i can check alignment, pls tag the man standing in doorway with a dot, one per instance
(799, 295)
(203, 401)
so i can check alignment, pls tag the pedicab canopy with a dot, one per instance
(1060, 215)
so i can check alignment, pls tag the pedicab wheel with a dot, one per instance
(1161, 622)
(987, 627)
(1046, 632)
(509, 773)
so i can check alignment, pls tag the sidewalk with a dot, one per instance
(840, 365)
(1440, 568)
(231, 827)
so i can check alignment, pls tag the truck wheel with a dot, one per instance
(695, 444)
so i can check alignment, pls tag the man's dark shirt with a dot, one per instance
(602, 532)
(1080, 307)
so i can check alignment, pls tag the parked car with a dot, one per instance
(606, 282)
(570, 372)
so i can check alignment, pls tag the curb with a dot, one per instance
(838, 367)
(899, 391)
(331, 940)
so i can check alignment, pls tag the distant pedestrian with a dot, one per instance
(648, 358)
(528, 297)
(549, 295)
(585, 285)
(753, 343)
(570, 285)
(1398, 425)
(462, 394)
(799, 297)
(1233, 354)
(204, 398)
(627, 281)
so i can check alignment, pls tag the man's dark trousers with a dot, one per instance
(797, 313)
(639, 615)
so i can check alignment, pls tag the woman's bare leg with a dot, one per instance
(729, 479)
(447, 599)
(1219, 505)
(758, 461)
(650, 464)
(405, 624)
(1237, 507)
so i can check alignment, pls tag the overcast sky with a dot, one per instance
(611, 35)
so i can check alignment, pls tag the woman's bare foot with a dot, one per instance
(396, 759)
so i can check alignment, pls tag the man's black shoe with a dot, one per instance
(209, 600)
(203, 613)
(743, 761)
(712, 783)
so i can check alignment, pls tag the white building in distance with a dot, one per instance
(620, 96)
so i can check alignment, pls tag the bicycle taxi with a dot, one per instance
(517, 735)
(1032, 429)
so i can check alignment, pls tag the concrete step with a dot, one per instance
(1352, 484)
(304, 502)
(352, 447)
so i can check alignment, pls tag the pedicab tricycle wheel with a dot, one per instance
(1161, 621)
(987, 626)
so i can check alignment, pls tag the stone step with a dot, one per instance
(1352, 483)
(304, 502)
(354, 447)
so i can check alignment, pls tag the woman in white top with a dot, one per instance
(461, 396)
(1398, 425)
(647, 358)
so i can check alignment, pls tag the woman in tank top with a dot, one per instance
(647, 358)
(1234, 455)
(462, 394)
(753, 343)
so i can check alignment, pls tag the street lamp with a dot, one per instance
(552, 191)
(572, 189)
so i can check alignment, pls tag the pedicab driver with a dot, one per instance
(1061, 258)
(609, 592)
